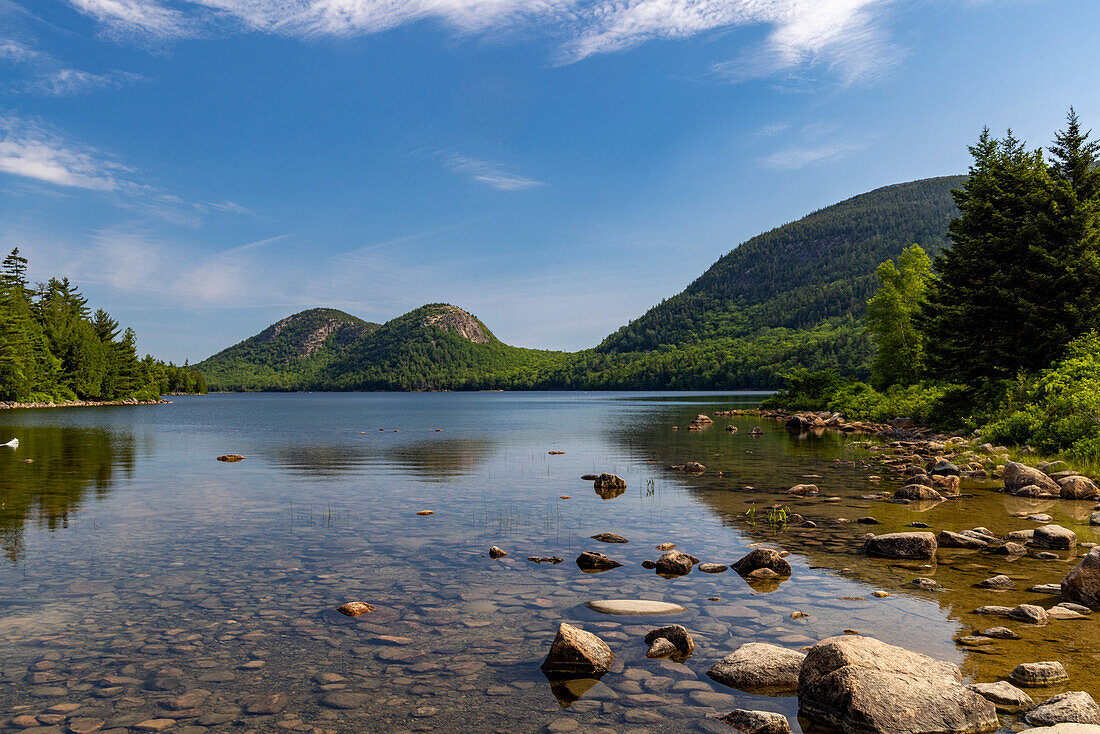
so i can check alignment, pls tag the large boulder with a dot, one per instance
(1082, 583)
(762, 558)
(1072, 707)
(1078, 488)
(758, 666)
(1054, 536)
(902, 545)
(576, 652)
(860, 685)
(1018, 476)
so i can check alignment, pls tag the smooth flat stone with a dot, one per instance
(634, 606)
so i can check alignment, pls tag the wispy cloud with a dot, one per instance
(64, 82)
(30, 149)
(16, 51)
(840, 35)
(489, 173)
(800, 157)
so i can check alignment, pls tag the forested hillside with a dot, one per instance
(818, 268)
(287, 355)
(792, 298)
(54, 349)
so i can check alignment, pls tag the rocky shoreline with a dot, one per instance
(83, 404)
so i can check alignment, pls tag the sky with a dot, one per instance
(203, 168)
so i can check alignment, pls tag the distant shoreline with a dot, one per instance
(83, 404)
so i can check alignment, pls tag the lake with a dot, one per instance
(134, 567)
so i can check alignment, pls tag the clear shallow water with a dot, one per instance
(128, 551)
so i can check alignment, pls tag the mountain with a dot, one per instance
(801, 274)
(793, 297)
(286, 355)
(435, 347)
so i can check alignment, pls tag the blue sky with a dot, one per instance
(202, 168)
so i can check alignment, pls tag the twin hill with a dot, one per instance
(791, 297)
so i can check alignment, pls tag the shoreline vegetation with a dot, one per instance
(82, 404)
(55, 350)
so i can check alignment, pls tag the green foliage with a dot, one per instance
(899, 346)
(52, 349)
(1060, 409)
(806, 390)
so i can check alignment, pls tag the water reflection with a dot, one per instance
(65, 465)
(431, 460)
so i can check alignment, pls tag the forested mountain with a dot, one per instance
(790, 298)
(435, 347)
(800, 274)
(54, 349)
(287, 355)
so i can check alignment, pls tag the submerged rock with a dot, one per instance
(803, 490)
(355, 608)
(756, 722)
(576, 652)
(902, 545)
(610, 538)
(1029, 613)
(1034, 675)
(661, 648)
(495, 552)
(948, 539)
(634, 606)
(758, 666)
(999, 583)
(861, 685)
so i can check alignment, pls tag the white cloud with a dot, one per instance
(841, 35)
(800, 157)
(74, 81)
(16, 51)
(489, 173)
(141, 18)
(30, 150)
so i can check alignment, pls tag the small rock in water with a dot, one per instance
(999, 583)
(756, 722)
(495, 552)
(677, 635)
(545, 559)
(1073, 707)
(713, 567)
(231, 458)
(634, 606)
(650, 565)
(803, 490)
(609, 481)
(758, 666)
(577, 652)
(1034, 675)
(610, 538)
(1029, 613)
(1055, 537)
(1003, 633)
(1005, 696)
(661, 648)
(880, 594)
(1046, 589)
(555, 453)
(762, 558)
(666, 546)
(590, 477)
(355, 608)
(594, 562)
(675, 563)
(902, 545)
(426, 512)
(1082, 583)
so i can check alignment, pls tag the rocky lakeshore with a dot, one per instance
(83, 404)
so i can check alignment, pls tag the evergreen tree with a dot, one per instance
(891, 318)
(984, 318)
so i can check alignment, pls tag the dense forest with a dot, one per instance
(53, 348)
(1000, 333)
(792, 297)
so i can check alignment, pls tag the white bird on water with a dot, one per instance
(12, 444)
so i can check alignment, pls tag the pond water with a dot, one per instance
(135, 567)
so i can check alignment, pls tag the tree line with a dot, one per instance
(1001, 331)
(53, 348)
